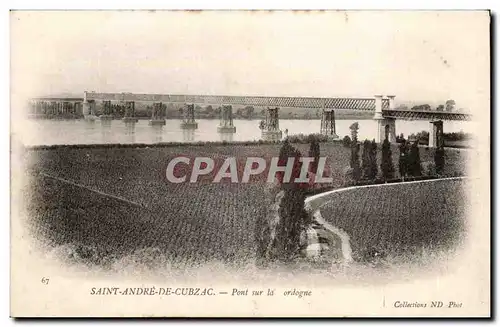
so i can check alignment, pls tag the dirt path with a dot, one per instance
(344, 240)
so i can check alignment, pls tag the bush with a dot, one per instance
(346, 141)
(429, 168)
(348, 177)
(400, 138)
(306, 138)
(460, 136)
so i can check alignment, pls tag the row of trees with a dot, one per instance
(448, 106)
(409, 163)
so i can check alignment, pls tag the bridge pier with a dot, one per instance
(106, 110)
(386, 126)
(158, 114)
(328, 124)
(129, 116)
(226, 120)
(270, 126)
(386, 130)
(88, 109)
(436, 139)
(188, 120)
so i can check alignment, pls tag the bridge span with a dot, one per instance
(383, 108)
(367, 104)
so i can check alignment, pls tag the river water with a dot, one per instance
(51, 132)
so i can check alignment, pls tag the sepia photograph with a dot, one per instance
(250, 163)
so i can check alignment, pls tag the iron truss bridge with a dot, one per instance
(425, 115)
(366, 104)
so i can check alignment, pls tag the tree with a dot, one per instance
(365, 160)
(422, 107)
(403, 160)
(387, 166)
(440, 108)
(414, 165)
(439, 159)
(373, 160)
(356, 170)
(314, 152)
(292, 214)
(293, 217)
(450, 105)
(248, 111)
(369, 160)
(209, 109)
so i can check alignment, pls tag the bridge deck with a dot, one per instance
(367, 104)
(361, 104)
(425, 115)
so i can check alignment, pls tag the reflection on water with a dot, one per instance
(130, 132)
(188, 135)
(106, 131)
(158, 133)
(228, 137)
(48, 132)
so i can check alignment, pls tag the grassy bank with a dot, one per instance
(400, 219)
(100, 229)
(186, 222)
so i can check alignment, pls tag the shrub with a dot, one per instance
(429, 168)
(346, 141)
(348, 178)
(306, 138)
(400, 138)
(458, 136)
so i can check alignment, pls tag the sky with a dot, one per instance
(423, 57)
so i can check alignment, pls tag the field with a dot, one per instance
(400, 219)
(110, 202)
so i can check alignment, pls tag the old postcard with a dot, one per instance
(250, 163)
